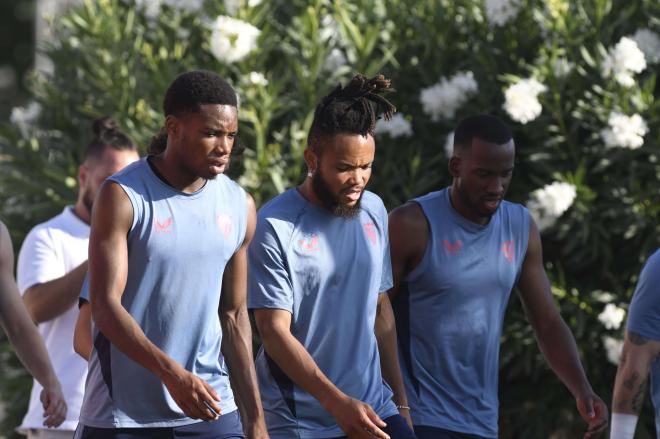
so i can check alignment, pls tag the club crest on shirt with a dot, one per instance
(508, 248)
(309, 243)
(224, 224)
(452, 248)
(370, 230)
(164, 227)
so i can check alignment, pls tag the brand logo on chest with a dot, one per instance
(370, 231)
(453, 248)
(309, 243)
(508, 250)
(224, 224)
(164, 227)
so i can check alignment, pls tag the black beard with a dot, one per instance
(330, 202)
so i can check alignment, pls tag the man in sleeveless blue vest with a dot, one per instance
(639, 359)
(318, 263)
(456, 256)
(167, 283)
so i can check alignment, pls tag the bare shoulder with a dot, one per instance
(112, 208)
(6, 250)
(409, 218)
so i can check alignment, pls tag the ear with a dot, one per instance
(83, 175)
(172, 126)
(454, 166)
(311, 159)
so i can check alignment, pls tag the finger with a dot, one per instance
(371, 414)
(373, 429)
(211, 391)
(589, 408)
(209, 400)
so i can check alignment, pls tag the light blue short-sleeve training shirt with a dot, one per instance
(449, 312)
(178, 247)
(327, 272)
(644, 319)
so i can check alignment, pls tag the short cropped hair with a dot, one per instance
(190, 90)
(481, 126)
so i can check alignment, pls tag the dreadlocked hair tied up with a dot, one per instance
(353, 109)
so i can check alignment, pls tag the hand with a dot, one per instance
(357, 419)
(54, 406)
(594, 411)
(405, 413)
(193, 395)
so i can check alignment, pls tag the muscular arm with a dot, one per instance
(48, 300)
(409, 235)
(108, 265)
(554, 337)
(294, 360)
(25, 338)
(389, 358)
(237, 335)
(633, 373)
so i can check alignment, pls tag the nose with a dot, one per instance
(223, 144)
(359, 176)
(495, 185)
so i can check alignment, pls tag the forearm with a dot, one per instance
(237, 350)
(297, 364)
(387, 347)
(558, 346)
(631, 381)
(51, 299)
(117, 325)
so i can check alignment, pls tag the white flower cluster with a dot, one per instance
(624, 131)
(335, 60)
(444, 98)
(649, 43)
(550, 202)
(623, 61)
(500, 12)
(612, 316)
(232, 39)
(25, 117)
(521, 100)
(185, 5)
(613, 347)
(398, 126)
(151, 7)
(257, 78)
(233, 6)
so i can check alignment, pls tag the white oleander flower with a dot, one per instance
(329, 30)
(232, 6)
(443, 99)
(550, 202)
(500, 12)
(151, 8)
(612, 316)
(232, 39)
(185, 5)
(649, 43)
(623, 61)
(25, 117)
(561, 67)
(613, 347)
(624, 131)
(334, 60)
(449, 145)
(253, 3)
(257, 78)
(521, 100)
(398, 126)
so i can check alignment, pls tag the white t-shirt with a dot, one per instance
(51, 250)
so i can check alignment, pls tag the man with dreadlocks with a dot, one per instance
(319, 260)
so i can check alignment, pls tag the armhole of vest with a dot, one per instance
(421, 267)
(133, 202)
(527, 221)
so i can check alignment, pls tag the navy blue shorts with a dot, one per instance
(225, 427)
(424, 432)
(397, 428)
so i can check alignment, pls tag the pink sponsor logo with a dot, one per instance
(224, 224)
(309, 243)
(452, 247)
(370, 230)
(508, 249)
(164, 227)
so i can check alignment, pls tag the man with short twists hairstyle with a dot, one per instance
(318, 265)
(167, 284)
(456, 255)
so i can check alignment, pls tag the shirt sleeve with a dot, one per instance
(386, 281)
(644, 310)
(269, 283)
(38, 260)
(84, 291)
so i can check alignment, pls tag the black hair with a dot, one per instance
(107, 135)
(186, 94)
(481, 126)
(352, 109)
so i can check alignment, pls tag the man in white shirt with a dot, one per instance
(51, 267)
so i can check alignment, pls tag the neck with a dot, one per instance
(81, 211)
(463, 209)
(175, 174)
(307, 191)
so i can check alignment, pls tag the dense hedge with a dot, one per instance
(575, 80)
